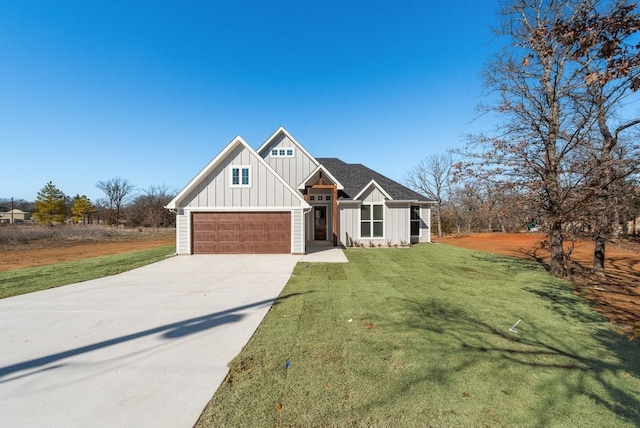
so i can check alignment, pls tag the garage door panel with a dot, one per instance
(229, 236)
(230, 248)
(274, 235)
(238, 233)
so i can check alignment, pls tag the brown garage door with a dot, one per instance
(241, 233)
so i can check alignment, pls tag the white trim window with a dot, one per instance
(372, 221)
(416, 220)
(240, 176)
(282, 152)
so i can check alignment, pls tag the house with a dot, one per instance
(280, 199)
(14, 216)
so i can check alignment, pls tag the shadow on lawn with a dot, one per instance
(171, 331)
(536, 348)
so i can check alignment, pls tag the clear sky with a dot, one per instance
(151, 91)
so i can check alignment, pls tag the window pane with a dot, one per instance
(365, 212)
(378, 229)
(365, 229)
(320, 197)
(415, 213)
(377, 212)
(289, 152)
(415, 227)
(245, 176)
(274, 152)
(235, 176)
(282, 152)
(327, 198)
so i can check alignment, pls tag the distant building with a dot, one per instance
(14, 216)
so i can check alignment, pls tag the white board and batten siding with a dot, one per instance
(349, 223)
(425, 224)
(182, 233)
(373, 196)
(292, 169)
(397, 220)
(396, 223)
(297, 232)
(216, 193)
(265, 189)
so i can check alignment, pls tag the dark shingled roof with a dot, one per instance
(354, 177)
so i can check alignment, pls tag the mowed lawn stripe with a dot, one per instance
(429, 345)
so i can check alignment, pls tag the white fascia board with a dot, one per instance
(406, 201)
(244, 209)
(279, 131)
(349, 202)
(206, 170)
(214, 163)
(326, 171)
(373, 183)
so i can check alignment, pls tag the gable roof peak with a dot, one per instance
(372, 183)
(282, 131)
(202, 175)
(320, 168)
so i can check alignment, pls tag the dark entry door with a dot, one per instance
(320, 223)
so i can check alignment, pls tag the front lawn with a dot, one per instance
(421, 337)
(28, 280)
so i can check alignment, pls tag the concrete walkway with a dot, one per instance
(324, 254)
(147, 347)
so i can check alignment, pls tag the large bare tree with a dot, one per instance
(431, 177)
(118, 191)
(532, 146)
(603, 42)
(567, 67)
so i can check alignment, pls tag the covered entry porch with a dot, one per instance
(320, 190)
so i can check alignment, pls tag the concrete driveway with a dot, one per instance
(147, 347)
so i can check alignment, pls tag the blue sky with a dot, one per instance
(151, 91)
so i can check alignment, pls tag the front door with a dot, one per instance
(320, 223)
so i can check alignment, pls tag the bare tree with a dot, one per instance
(118, 191)
(603, 42)
(532, 148)
(431, 177)
(148, 208)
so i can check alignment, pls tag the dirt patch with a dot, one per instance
(617, 296)
(46, 252)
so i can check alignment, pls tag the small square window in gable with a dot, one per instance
(282, 152)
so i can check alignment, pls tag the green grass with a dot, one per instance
(429, 345)
(27, 280)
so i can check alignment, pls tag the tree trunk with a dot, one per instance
(600, 242)
(557, 267)
(615, 226)
(439, 219)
